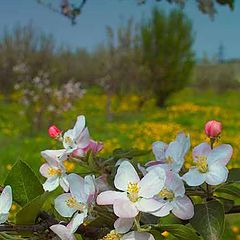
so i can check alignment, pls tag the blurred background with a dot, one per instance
(140, 71)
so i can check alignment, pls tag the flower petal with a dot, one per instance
(63, 232)
(3, 217)
(217, 174)
(164, 210)
(64, 182)
(124, 208)
(44, 170)
(202, 149)
(62, 207)
(175, 183)
(220, 154)
(83, 139)
(53, 156)
(193, 177)
(184, 141)
(183, 208)
(90, 186)
(108, 197)
(6, 200)
(152, 183)
(138, 236)
(126, 173)
(123, 225)
(51, 183)
(159, 148)
(76, 221)
(79, 126)
(148, 205)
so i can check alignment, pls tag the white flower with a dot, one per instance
(172, 197)
(80, 199)
(76, 138)
(136, 195)
(172, 155)
(54, 170)
(5, 203)
(210, 165)
(122, 227)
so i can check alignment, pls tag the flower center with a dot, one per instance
(133, 190)
(202, 164)
(169, 159)
(166, 194)
(112, 236)
(72, 203)
(53, 172)
(68, 140)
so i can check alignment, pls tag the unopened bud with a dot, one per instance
(54, 132)
(213, 128)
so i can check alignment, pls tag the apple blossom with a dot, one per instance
(5, 203)
(80, 199)
(213, 128)
(172, 197)
(172, 155)
(54, 132)
(54, 170)
(136, 195)
(121, 232)
(210, 165)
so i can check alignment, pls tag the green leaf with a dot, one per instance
(179, 231)
(227, 203)
(208, 220)
(234, 175)
(91, 161)
(29, 213)
(230, 190)
(129, 153)
(25, 184)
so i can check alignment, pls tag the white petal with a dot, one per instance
(69, 145)
(52, 156)
(164, 210)
(44, 170)
(125, 174)
(152, 183)
(148, 205)
(89, 186)
(64, 182)
(63, 232)
(175, 183)
(6, 200)
(217, 174)
(202, 149)
(79, 126)
(84, 139)
(76, 221)
(124, 208)
(193, 177)
(159, 149)
(76, 185)
(123, 225)
(183, 208)
(3, 217)
(220, 154)
(51, 183)
(62, 207)
(108, 197)
(138, 236)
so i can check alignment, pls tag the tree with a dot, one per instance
(167, 51)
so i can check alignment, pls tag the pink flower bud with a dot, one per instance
(213, 128)
(54, 132)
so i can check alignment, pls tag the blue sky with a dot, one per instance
(90, 29)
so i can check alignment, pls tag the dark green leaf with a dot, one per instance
(208, 220)
(227, 203)
(129, 153)
(29, 213)
(234, 175)
(230, 190)
(25, 184)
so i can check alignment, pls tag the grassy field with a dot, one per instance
(131, 127)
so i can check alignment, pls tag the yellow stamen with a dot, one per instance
(166, 194)
(165, 234)
(68, 140)
(133, 190)
(202, 164)
(169, 159)
(112, 236)
(72, 203)
(52, 171)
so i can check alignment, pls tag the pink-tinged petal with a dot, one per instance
(159, 149)
(153, 163)
(217, 174)
(44, 170)
(124, 208)
(220, 154)
(62, 232)
(62, 207)
(83, 139)
(175, 183)
(142, 169)
(76, 221)
(194, 178)
(152, 183)
(108, 197)
(90, 186)
(123, 225)
(79, 126)
(53, 156)
(64, 183)
(51, 183)
(148, 205)
(138, 236)
(164, 210)
(79, 152)
(202, 149)
(126, 174)
(94, 146)
(6, 200)
(76, 185)
(183, 208)
(102, 183)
